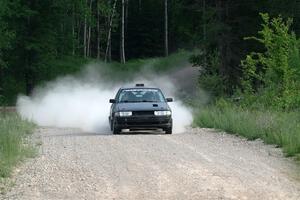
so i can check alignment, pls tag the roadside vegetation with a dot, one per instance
(266, 103)
(14, 146)
(273, 127)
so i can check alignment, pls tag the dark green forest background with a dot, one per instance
(41, 39)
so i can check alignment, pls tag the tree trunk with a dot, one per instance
(89, 33)
(204, 30)
(73, 31)
(221, 13)
(126, 16)
(140, 5)
(29, 74)
(85, 35)
(166, 29)
(98, 31)
(73, 40)
(108, 46)
(62, 47)
(109, 51)
(123, 33)
(79, 26)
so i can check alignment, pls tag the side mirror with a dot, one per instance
(112, 101)
(169, 99)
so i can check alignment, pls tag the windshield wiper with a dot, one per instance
(126, 101)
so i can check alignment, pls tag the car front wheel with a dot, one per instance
(115, 129)
(168, 130)
(111, 125)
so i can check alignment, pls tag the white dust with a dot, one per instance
(83, 101)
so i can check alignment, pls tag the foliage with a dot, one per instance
(35, 33)
(274, 73)
(209, 78)
(13, 145)
(221, 28)
(6, 35)
(265, 99)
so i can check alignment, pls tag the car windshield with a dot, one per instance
(140, 95)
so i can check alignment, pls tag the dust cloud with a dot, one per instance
(82, 101)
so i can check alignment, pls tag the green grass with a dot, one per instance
(273, 127)
(13, 144)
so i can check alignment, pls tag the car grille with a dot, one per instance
(142, 113)
(141, 123)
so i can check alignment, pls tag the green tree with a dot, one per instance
(277, 69)
(6, 35)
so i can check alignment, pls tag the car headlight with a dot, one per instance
(124, 114)
(162, 113)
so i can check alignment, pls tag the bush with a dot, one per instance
(13, 148)
(274, 74)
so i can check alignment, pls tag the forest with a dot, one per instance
(35, 35)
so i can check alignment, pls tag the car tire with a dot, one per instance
(111, 125)
(115, 130)
(168, 131)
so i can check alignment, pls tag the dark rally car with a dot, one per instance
(140, 108)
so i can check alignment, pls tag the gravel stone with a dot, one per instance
(198, 164)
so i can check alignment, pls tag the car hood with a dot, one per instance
(142, 106)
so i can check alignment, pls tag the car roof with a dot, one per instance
(138, 87)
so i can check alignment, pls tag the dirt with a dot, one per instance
(198, 164)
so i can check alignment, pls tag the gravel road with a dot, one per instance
(198, 164)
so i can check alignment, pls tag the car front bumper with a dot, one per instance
(143, 122)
